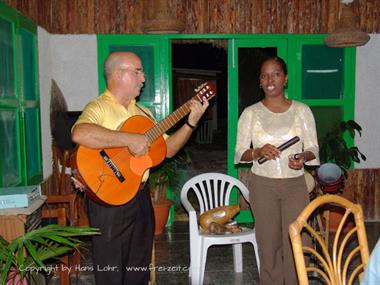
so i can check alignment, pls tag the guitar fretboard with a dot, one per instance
(161, 127)
(205, 92)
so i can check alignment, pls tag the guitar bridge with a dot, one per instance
(112, 166)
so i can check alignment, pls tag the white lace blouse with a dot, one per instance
(258, 126)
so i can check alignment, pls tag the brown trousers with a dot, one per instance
(276, 203)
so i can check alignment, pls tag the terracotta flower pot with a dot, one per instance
(336, 215)
(161, 213)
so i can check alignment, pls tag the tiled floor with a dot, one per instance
(172, 260)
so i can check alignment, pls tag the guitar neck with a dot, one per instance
(205, 91)
(162, 126)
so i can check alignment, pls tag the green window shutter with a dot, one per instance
(29, 75)
(7, 70)
(20, 140)
(326, 76)
(32, 146)
(146, 54)
(10, 165)
(326, 118)
(322, 72)
(154, 53)
(31, 111)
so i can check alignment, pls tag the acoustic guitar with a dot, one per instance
(113, 176)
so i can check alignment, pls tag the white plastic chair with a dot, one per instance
(213, 190)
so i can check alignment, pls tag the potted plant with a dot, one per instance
(23, 257)
(167, 178)
(334, 149)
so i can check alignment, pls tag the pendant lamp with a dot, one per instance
(162, 20)
(346, 33)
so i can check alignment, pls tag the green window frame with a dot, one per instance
(154, 52)
(340, 107)
(20, 137)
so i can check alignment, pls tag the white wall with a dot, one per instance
(44, 62)
(367, 101)
(75, 68)
(71, 60)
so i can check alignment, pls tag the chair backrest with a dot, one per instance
(60, 215)
(212, 190)
(340, 260)
(67, 201)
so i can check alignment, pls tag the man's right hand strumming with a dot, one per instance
(138, 145)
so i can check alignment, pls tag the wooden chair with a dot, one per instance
(64, 189)
(60, 215)
(152, 278)
(67, 201)
(70, 203)
(61, 161)
(336, 263)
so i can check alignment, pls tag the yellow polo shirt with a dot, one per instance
(107, 112)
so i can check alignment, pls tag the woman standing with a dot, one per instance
(279, 191)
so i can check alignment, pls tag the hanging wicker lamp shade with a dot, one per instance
(346, 34)
(162, 21)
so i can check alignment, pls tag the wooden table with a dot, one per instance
(15, 222)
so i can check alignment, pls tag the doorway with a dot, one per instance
(193, 63)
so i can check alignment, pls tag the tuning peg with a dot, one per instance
(198, 88)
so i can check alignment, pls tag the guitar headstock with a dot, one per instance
(205, 91)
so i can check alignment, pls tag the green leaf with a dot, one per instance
(351, 132)
(32, 251)
(50, 253)
(333, 147)
(355, 158)
(20, 256)
(9, 262)
(39, 240)
(355, 126)
(39, 245)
